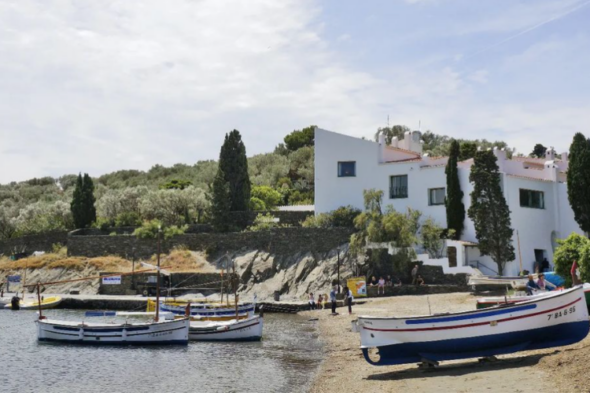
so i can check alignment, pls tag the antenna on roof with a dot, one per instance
(420, 125)
(388, 120)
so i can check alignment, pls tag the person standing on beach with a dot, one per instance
(311, 302)
(381, 286)
(333, 300)
(348, 297)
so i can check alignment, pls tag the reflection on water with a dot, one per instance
(283, 362)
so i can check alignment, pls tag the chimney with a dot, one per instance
(381, 147)
(550, 154)
(564, 158)
(500, 157)
(551, 171)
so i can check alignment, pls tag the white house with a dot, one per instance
(535, 191)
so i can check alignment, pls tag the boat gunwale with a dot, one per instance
(476, 311)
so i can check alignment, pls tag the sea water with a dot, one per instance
(284, 361)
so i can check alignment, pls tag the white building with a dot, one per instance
(535, 191)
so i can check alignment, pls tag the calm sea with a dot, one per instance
(285, 361)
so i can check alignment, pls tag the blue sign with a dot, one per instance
(14, 279)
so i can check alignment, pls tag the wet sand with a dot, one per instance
(345, 370)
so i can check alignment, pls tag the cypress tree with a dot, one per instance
(89, 200)
(578, 180)
(220, 203)
(454, 200)
(489, 211)
(234, 165)
(77, 203)
(82, 206)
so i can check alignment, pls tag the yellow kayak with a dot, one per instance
(46, 303)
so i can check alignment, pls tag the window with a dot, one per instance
(398, 186)
(346, 168)
(436, 196)
(532, 198)
(452, 255)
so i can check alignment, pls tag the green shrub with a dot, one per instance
(149, 230)
(128, 219)
(263, 222)
(344, 216)
(322, 220)
(257, 204)
(569, 250)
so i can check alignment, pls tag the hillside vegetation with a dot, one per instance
(180, 194)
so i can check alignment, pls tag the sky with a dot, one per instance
(96, 86)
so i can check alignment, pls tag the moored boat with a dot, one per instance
(560, 318)
(46, 304)
(150, 333)
(501, 281)
(249, 329)
(205, 311)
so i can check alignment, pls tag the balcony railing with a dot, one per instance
(398, 192)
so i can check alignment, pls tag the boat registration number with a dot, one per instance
(562, 313)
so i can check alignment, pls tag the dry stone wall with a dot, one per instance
(30, 244)
(278, 241)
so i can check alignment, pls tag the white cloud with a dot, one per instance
(95, 86)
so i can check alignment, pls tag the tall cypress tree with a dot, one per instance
(234, 164)
(82, 206)
(220, 203)
(89, 200)
(578, 180)
(454, 201)
(78, 202)
(489, 211)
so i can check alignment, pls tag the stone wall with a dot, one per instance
(280, 241)
(30, 244)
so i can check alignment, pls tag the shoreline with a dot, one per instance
(344, 368)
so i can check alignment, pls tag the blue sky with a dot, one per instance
(98, 86)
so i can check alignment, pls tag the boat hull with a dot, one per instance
(555, 320)
(46, 304)
(204, 311)
(154, 333)
(245, 330)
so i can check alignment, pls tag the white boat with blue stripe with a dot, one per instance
(551, 321)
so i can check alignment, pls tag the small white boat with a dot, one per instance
(560, 318)
(150, 333)
(205, 311)
(242, 330)
(46, 304)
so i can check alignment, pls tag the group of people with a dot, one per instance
(382, 283)
(540, 285)
(323, 299)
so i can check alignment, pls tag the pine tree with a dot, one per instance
(220, 203)
(82, 206)
(578, 180)
(454, 201)
(234, 164)
(89, 200)
(489, 211)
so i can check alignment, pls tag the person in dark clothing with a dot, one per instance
(15, 303)
(333, 300)
(531, 285)
(348, 298)
(545, 265)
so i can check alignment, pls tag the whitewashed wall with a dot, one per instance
(535, 226)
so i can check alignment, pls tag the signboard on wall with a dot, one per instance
(13, 279)
(358, 286)
(115, 280)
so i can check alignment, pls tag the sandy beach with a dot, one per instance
(344, 368)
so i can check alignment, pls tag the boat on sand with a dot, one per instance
(500, 300)
(560, 318)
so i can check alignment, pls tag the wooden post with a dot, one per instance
(519, 253)
(39, 301)
(157, 319)
(236, 297)
(24, 280)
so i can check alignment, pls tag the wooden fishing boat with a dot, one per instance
(560, 318)
(501, 281)
(151, 333)
(156, 332)
(46, 304)
(249, 329)
(205, 311)
(499, 300)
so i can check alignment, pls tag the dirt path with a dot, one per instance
(345, 370)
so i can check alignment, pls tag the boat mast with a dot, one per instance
(157, 318)
(39, 301)
(235, 282)
(519, 253)
(24, 279)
